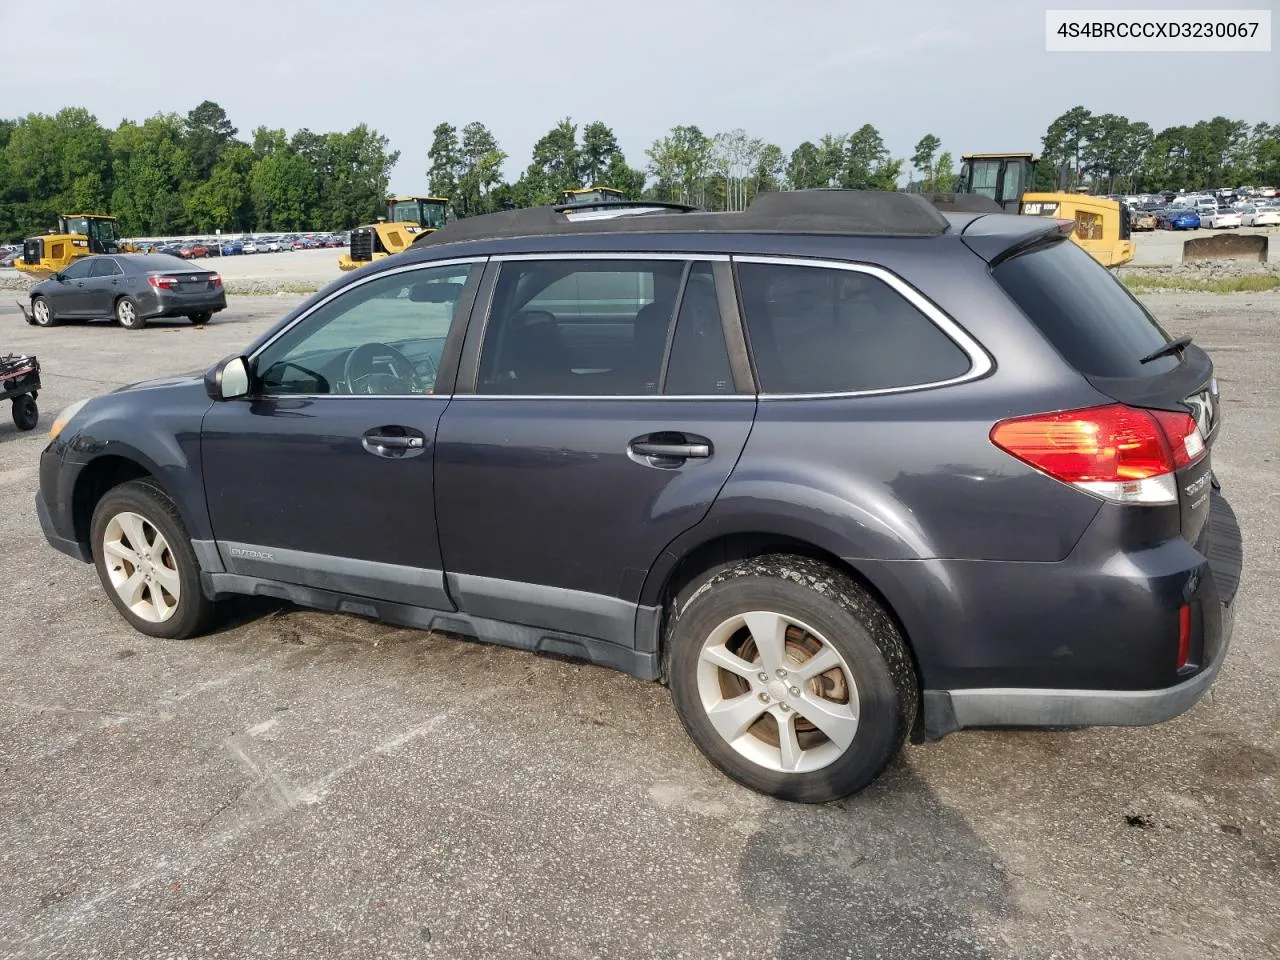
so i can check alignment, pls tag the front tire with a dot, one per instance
(146, 564)
(42, 314)
(791, 678)
(25, 412)
(127, 314)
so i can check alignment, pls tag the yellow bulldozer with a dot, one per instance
(77, 235)
(1102, 225)
(587, 196)
(407, 219)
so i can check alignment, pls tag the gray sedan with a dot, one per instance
(132, 288)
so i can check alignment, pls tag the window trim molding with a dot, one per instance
(980, 361)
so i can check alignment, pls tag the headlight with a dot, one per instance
(64, 417)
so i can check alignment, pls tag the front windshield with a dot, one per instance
(432, 214)
(78, 225)
(104, 230)
(984, 175)
(426, 213)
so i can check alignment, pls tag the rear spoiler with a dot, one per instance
(998, 237)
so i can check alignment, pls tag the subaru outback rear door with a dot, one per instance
(597, 416)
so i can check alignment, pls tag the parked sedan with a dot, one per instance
(1221, 218)
(255, 246)
(131, 287)
(1178, 218)
(1252, 215)
(231, 248)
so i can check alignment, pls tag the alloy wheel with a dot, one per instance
(141, 567)
(778, 692)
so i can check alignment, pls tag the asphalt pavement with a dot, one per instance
(309, 785)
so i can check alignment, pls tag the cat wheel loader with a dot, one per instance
(1102, 225)
(407, 219)
(589, 196)
(77, 235)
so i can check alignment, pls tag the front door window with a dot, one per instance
(385, 337)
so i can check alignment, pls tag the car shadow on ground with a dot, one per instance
(899, 876)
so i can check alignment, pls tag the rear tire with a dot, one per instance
(25, 413)
(127, 314)
(146, 564)
(42, 314)
(201, 318)
(749, 710)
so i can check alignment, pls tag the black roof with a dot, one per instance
(834, 212)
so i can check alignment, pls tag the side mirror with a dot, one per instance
(57, 277)
(227, 379)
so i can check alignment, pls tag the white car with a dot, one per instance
(273, 244)
(1253, 216)
(1219, 218)
(254, 246)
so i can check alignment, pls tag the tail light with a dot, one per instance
(163, 283)
(215, 281)
(1116, 452)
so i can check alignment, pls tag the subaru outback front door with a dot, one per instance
(322, 476)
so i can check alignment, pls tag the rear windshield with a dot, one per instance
(1086, 313)
(144, 262)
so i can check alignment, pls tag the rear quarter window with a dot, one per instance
(1098, 326)
(826, 330)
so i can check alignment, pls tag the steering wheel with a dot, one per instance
(359, 374)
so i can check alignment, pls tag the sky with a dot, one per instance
(975, 74)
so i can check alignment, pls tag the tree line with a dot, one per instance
(1113, 154)
(174, 174)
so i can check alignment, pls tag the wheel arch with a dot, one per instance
(109, 470)
(94, 481)
(666, 581)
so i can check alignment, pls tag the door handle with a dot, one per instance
(672, 451)
(394, 442)
(408, 443)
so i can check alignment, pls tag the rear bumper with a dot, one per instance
(168, 304)
(949, 710)
(1211, 588)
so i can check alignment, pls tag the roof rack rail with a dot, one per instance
(822, 211)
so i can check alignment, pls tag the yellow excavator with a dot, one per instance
(1102, 225)
(407, 219)
(77, 235)
(591, 195)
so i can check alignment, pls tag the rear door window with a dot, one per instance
(579, 327)
(825, 330)
(1088, 315)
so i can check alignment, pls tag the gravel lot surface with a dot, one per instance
(309, 785)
